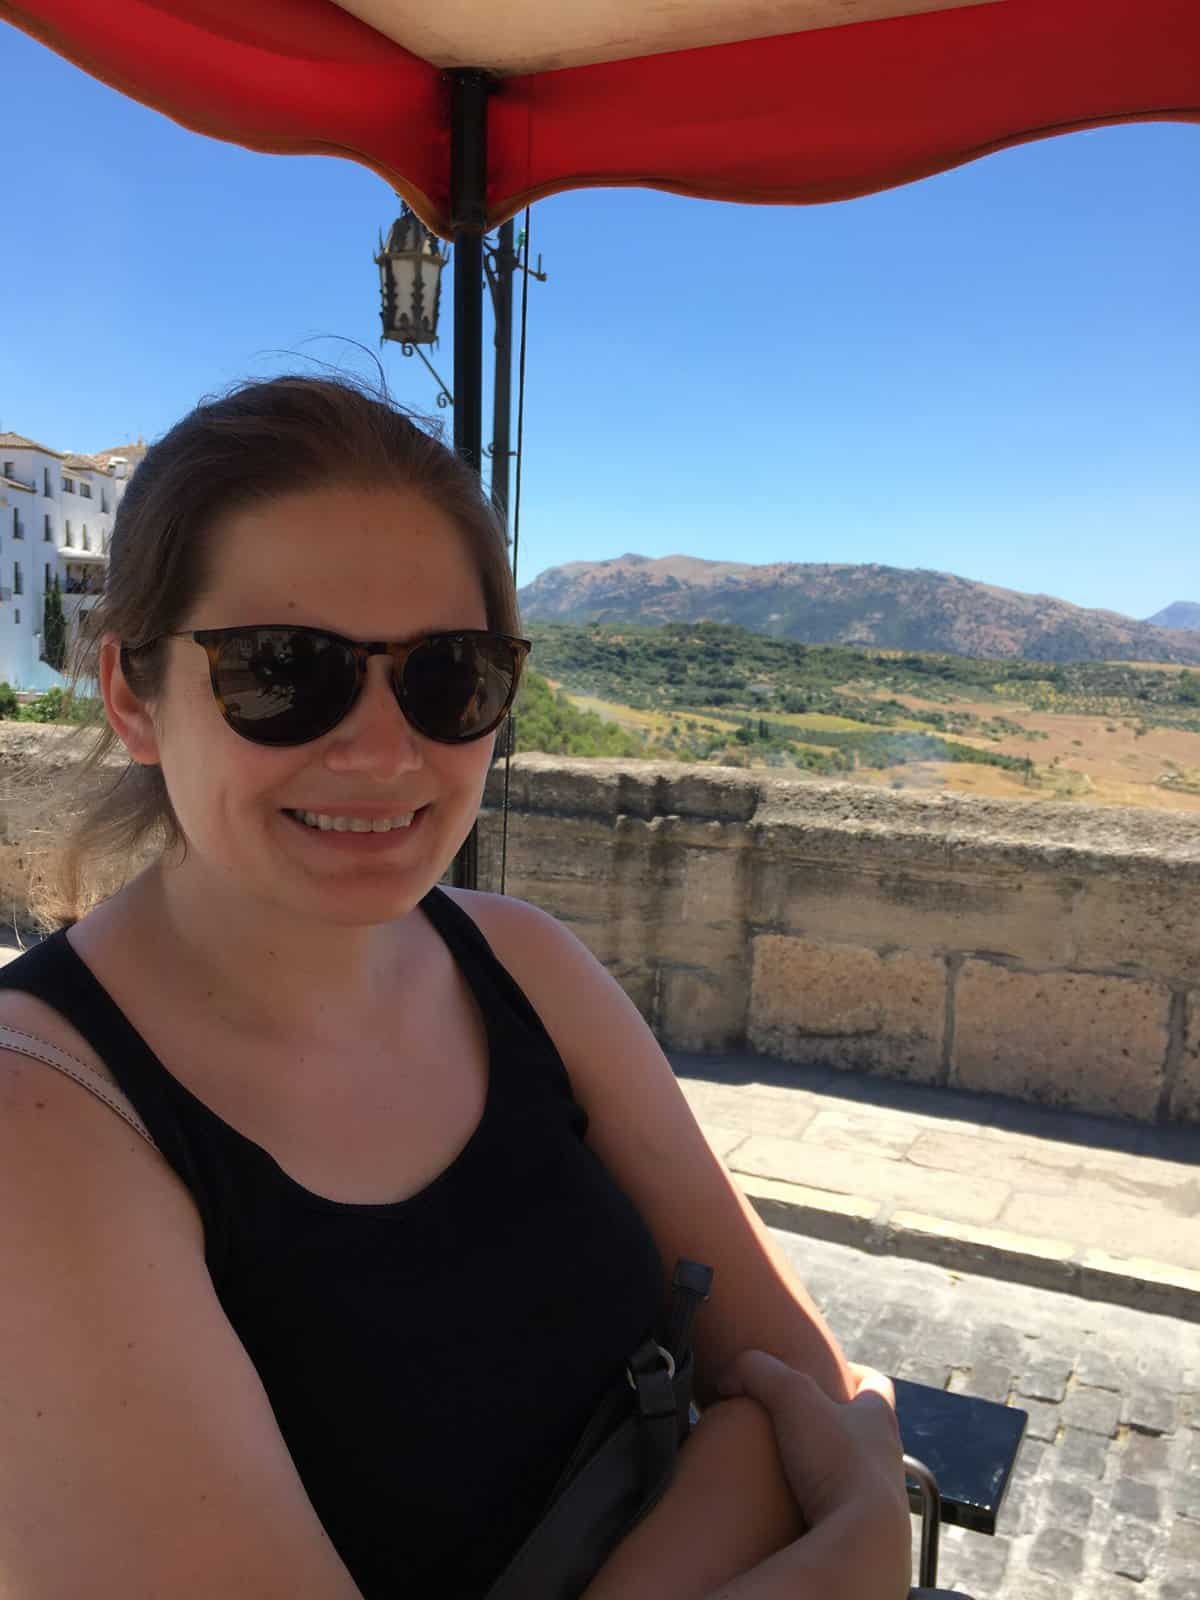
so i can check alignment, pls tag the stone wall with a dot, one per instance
(1049, 952)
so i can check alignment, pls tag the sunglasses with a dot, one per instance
(285, 685)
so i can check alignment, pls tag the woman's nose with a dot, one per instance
(375, 736)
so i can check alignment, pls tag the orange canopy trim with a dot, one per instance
(823, 114)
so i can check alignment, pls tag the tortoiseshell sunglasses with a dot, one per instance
(284, 685)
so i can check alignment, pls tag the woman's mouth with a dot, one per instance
(327, 821)
(332, 830)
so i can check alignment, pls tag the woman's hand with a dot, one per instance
(844, 1463)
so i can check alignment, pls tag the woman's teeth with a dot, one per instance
(324, 821)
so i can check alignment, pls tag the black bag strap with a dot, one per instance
(622, 1464)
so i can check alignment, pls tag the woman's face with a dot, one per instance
(368, 563)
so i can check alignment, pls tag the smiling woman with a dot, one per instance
(393, 1246)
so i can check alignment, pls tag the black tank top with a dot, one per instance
(430, 1362)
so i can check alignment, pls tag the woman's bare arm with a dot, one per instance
(140, 1454)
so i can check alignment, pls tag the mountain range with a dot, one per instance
(1182, 614)
(893, 608)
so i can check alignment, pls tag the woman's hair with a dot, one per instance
(256, 443)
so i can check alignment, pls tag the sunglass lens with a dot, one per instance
(458, 686)
(279, 686)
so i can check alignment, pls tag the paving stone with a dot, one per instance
(981, 1565)
(997, 1345)
(986, 1382)
(1187, 1497)
(1093, 1410)
(1129, 1548)
(1180, 1588)
(1085, 1453)
(1151, 1409)
(1044, 1420)
(918, 1370)
(1097, 1369)
(1059, 1553)
(1183, 1547)
(847, 1319)
(1030, 1456)
(1020, 1510)
(1045, 1378)
(1067, 1505)
(896, 1322)
(1035, 1587)
(949, 1342)
(1136, 1499)
(885, 1354)
(1145, 1456)
(1159, 1368)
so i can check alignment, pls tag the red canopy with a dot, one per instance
(769, 103)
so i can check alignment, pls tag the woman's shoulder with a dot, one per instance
(512, 927)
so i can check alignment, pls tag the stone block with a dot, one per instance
(1063, 1038)
(700, 1010)
(929, 907)
(1092, 1410)
(846, 1006)
(1058, 1553)
(1120, 920)
(1185, 1097)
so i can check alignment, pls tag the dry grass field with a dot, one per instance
(1098, 759)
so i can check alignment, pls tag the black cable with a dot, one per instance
(511, 730)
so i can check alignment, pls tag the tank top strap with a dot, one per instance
(54, 973)
(479, 964)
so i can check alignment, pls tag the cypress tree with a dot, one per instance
(54, 629)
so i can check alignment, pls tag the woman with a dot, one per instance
(421, 1161)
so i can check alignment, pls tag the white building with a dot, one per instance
(56, 515)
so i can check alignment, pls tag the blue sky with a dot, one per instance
(995, 372)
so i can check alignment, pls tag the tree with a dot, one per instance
(54, 629)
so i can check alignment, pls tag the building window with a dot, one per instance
(8, 469)
(18, 530)
(18, 581)
(68, 527)
(46, 489)
(103, 502)
(68, 485)
(85, 489)
(17, 614)
(47, 533)
(47, 580)
(87, 543)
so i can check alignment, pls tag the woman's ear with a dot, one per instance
(128, 715)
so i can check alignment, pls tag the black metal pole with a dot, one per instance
(468, 215)
(502, 300)
(468, 211)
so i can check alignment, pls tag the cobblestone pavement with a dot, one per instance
(1105, 1497)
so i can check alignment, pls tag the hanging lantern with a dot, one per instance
(410, 278)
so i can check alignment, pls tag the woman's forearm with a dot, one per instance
(852, 1554)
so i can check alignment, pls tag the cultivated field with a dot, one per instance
(1100, 757)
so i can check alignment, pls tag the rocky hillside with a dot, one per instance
(887, 607)
(1183, 614)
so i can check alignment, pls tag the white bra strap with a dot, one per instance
(28, 1044)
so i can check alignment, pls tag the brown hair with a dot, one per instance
(257, 442)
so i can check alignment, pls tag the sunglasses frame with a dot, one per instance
(211, 639)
